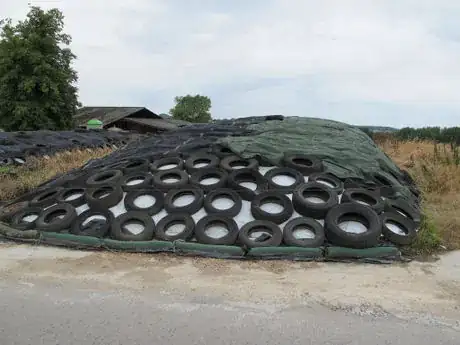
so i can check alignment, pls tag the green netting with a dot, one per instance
(377, 254)
(218, 251)
(345, 150)
(291, 253)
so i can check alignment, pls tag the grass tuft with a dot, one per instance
(17, 180)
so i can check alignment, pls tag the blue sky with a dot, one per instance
(381, 62)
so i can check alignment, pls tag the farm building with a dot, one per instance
(137, 119)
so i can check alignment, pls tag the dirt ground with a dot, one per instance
(426, 291)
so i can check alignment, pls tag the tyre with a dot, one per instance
(167, 163)
(104, 197)
(365, 197)
(143, 179)
(223, 194)
(46, 198)
(200, 161)
(198, 177)
(112, 177)
(56, 218)
(221, 151)
(356, 213)
(179, 177)
(382, 179)
(404, 208)
(191, 208)
(98, 227)
(306, 200)
(275, 198)
(72, 196)
(175, 219)
(305, 164)
(231, 163)
(120, 232)
(207, 222)
(136, 165)
(272, 185)
(303, 223)
(328, 179)
(273, 235)
(156, 207)
(405, 224)
(19, 222)
(237, 177)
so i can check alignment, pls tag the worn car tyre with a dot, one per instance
(158, 205)
(330, 180)
(205, 223)
(224, 194)
(200, 175)
(96, 227)
(308, 208)
(404, 208)
(46, 198)
(272, 185)
(136, 165)
(17, 219)
(96, 200)
(161, 176)
(162, 164)
(272, 197)
(231, 163)
(353, 212)
(221, 151)
(404, 223)
(144, 177)
(273, 240)
(175, 219)
(363, 196)
(305, 164)
(56, 218)
(190, 208)
(118, 231)
(236, 177)
(209, 161)
(303, 222)
(66, 194)
(112, 177)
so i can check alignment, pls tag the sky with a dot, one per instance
(366, 62)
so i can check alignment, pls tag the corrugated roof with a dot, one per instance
(156, 123)
(108, 115)
(175, 121)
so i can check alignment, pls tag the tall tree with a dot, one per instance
(192, 108)
(37, 81)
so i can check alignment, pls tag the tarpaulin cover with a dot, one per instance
(346, 151)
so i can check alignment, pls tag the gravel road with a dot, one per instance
(51, 296)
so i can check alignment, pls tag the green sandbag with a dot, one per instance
(291, 253)
(69, 240)
(215, 251)
(371, 253)
(139, 246)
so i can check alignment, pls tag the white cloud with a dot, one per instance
(383, 51)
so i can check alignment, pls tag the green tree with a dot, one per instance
(37, 81)
(192, 109)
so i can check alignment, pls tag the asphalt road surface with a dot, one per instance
(105, 298)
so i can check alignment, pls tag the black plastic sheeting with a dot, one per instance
(40, 143)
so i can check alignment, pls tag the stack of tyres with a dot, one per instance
(89, 207)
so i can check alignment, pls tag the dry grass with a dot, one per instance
(15, 181)
(435, 169)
